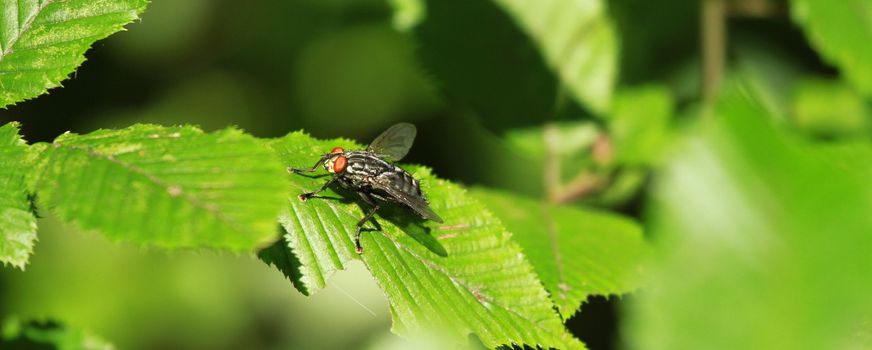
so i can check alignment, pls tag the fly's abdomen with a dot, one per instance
(369, 171)
(402, 181)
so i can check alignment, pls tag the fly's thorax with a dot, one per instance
(364, 167)
(366, 164)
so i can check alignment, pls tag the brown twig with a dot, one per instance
(714, 38)
(551, 171)
(584, 184)
(757, 8)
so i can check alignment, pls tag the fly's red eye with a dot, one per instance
(339, 164)
(337, 150)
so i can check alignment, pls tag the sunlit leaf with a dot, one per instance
(576, 252)
(762, 244)
(464, 276)
(841, 31)
(170, 187)
(43, 41)
(17, 222)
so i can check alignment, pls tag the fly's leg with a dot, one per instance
(360, 227)
(375, 206)
(307, 195)
(309, 170)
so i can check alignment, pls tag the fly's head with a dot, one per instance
(336, 161)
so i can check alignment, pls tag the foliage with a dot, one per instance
(767, 250)
(17, 220)
(576, 252)
(17, 334)
(640, 125)
(177, 187)
(43, 41)
(841, 33)
(530, 62)
(281, 255)
(830, 108)
(578, 43)
(171, 187)
(464, 276)
(560, 114)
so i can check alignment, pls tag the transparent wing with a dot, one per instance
(417, 203)
(394, 143)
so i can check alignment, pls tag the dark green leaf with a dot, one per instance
(518, 62)
(578, 42)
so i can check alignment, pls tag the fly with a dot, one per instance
(371, 174)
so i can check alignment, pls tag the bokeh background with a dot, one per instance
(345, 68)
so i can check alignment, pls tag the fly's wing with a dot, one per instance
(394, 143)
(417, 203)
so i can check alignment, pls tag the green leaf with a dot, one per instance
(519, 62)
(465, 275)
(406, 13)
(17, 222)
(17, 334)
(841, 31)
(43, 41)
(761, 245)
(640, 125)
(576, 252)
(493, 68)
(829, 108)
(171, 187)
(281, 255)
(770, 68)
(578, 41)
(851, 156)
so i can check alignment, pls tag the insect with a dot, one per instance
(371, 174)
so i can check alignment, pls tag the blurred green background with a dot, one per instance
(348, 68)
